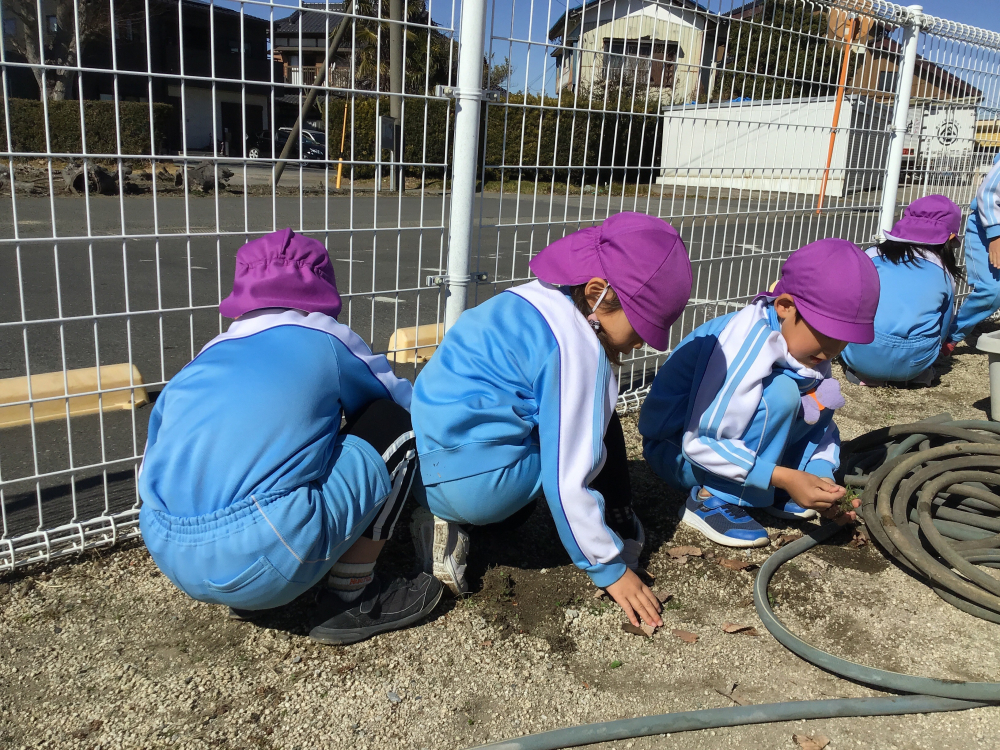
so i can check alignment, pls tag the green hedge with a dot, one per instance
(549, 137)
(28, 134)
(558, 139)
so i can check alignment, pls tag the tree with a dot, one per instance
(428, 53)
(496, 76)
(783, 51)
(61, 45)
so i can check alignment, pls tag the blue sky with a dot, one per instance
(529, 19)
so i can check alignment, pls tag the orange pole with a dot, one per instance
(855, 25)
(343, 135)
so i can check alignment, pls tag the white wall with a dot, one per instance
(198, 111)
(780, 145)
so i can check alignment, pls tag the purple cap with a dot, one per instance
(642, 258)
(283, 269)
(835, 287)
(930, 220)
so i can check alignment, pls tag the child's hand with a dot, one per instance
(840, 517)
(636, 599)
(808, 490)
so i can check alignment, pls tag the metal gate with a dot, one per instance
(134, 169)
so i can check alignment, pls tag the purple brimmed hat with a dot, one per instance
(930, 220)
(835, 287)
(643, 260)
(283, 269)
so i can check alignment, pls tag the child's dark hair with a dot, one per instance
(609, 304)
(906, 253)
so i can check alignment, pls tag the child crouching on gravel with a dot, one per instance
(741, 414)
(917, 270)
(520, 399)
(252, 491)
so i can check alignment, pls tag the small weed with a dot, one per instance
(615, 664)
(673, 603)
(471, 722)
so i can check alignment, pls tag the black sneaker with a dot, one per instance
(382, 606)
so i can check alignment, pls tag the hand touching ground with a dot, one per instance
(636, 599)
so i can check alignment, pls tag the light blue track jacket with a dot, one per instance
(986, 205)
(917, 300)
(258, 410)
(525, 360)
(708, 392)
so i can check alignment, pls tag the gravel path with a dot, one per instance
(102, 652)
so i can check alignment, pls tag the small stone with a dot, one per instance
(543, 571)
(296, 660)
(187, 680)
(572, 614)
(57, 629)
(393, 697)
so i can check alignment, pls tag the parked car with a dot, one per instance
(313, 144)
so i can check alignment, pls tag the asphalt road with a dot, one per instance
(179, 258)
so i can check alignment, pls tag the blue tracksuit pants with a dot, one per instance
(891, 357)
(776, 434)
(984, 278)
(267, 549)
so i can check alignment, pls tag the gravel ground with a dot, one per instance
(102, 652)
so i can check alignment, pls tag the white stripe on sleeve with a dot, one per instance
(399, 390)
(588, 393)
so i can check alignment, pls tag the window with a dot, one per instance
(52, 24)
(234, 46)
(124, 31)
(9, 26)
(644, 59)
(887, 80)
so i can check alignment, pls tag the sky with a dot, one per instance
(528, 20)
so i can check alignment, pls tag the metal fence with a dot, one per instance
(140, 140)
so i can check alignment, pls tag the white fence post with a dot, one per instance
(463, 181)
(904, 86)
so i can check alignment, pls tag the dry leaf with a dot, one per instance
(816, 742)
(686, 551)
(860, 538)
(643, 629)
(662, 596)
(487, 643)
(736, 564)
(680, 560)
(732, 627)
(784, 539)
(345, 668)
(600, 594)
(685, 636)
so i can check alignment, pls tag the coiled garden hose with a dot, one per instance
(946, 481)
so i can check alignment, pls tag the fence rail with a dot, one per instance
(126, 185)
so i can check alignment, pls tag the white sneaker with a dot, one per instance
(633, 547)
(442, 548)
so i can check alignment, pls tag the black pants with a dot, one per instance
(613, 482)
(385, 425)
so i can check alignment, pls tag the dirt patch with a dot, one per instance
(101, 651)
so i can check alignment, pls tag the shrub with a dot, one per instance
(27, 135)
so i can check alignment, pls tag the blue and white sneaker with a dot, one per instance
(786, 508)
(725, 524)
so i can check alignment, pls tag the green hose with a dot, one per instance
(955, 460)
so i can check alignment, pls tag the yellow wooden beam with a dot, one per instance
(415, 344)
(59, 384)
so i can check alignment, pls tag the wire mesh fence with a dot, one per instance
(141, 143)
(133, 173)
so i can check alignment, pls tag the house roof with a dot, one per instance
(315, 22)
(746, 10)
(930, 71)
(218, 10)
(572, 14)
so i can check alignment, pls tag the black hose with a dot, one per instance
(954, 460)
